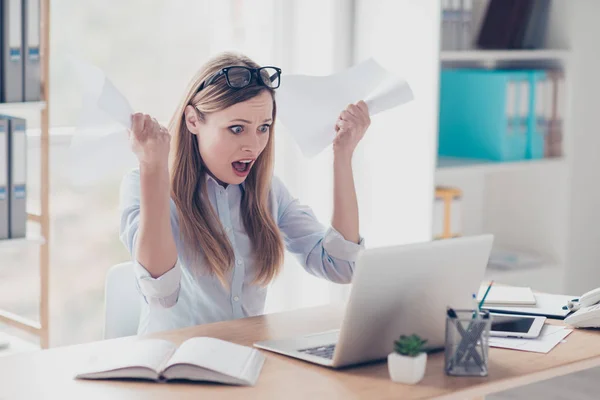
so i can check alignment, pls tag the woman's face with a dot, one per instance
(231, 140)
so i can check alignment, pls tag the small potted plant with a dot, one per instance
(408, 360)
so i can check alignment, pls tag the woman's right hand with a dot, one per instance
(149, 140)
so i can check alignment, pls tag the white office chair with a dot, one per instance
(121, 302)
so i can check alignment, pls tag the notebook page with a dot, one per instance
(150, 353)
(217, 355)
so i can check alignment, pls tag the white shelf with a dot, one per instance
(15, 345)
(27, 241)
(452, 165)
(504, 55)
(31, 105)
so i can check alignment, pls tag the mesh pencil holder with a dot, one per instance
(467, 343)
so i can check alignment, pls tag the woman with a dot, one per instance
(204, 219)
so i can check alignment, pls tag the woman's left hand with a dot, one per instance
(351, 127)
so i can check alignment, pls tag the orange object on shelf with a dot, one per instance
(450, 198)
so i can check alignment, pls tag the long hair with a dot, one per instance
(200, 229)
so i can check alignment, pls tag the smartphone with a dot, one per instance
(520, 326)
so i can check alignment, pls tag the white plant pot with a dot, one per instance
(405, 369)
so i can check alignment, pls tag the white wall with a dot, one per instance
(584, 244)
(397, 159)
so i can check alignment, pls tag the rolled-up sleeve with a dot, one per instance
(163, 290)
(322, 251)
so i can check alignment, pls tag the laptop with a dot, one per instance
(396, 290)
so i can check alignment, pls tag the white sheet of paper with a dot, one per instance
(100, 145)
(94, 157)
(100, 92)
(550, 336)
(308, 106)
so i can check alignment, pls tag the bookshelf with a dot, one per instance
(30, 240)
(29, 106)
(447, 166)
(504, 55)
(525, 204)
(38, 328)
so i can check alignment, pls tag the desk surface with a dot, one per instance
(49, 373)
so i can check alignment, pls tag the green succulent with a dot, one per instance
(410, 346)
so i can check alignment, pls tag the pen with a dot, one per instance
(451, 313)
(476, 307)
(485, 295)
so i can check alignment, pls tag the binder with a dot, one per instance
(511, 108)
(555, 106)
(4, 179)
(17, 177)
(466, 35)
(523, 14)
(523, 116)
(455, 24)
(446, 30)
(517, 113)
(489, 114)
(535, 32)
(32, 85)
(12, 52)
(495, 31)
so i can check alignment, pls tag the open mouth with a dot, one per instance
(242, 167)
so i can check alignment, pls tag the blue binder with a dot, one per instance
(489, 114)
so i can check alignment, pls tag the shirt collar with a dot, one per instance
(209, 178)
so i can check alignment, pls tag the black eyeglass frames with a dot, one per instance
(238, 77)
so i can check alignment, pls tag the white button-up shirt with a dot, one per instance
(188, 295)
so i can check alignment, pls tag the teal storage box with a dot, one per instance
(490, 114)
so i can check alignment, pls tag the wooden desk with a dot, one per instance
(49, 373)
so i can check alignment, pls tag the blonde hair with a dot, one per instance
(199, 226)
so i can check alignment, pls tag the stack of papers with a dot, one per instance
(550, 336)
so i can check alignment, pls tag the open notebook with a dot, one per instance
(196, 359)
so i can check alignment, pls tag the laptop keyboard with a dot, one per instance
(320, 351)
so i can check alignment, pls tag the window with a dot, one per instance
(149, 50)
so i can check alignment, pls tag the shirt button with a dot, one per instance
(227, 229)
(239, 262)
(236, 298)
